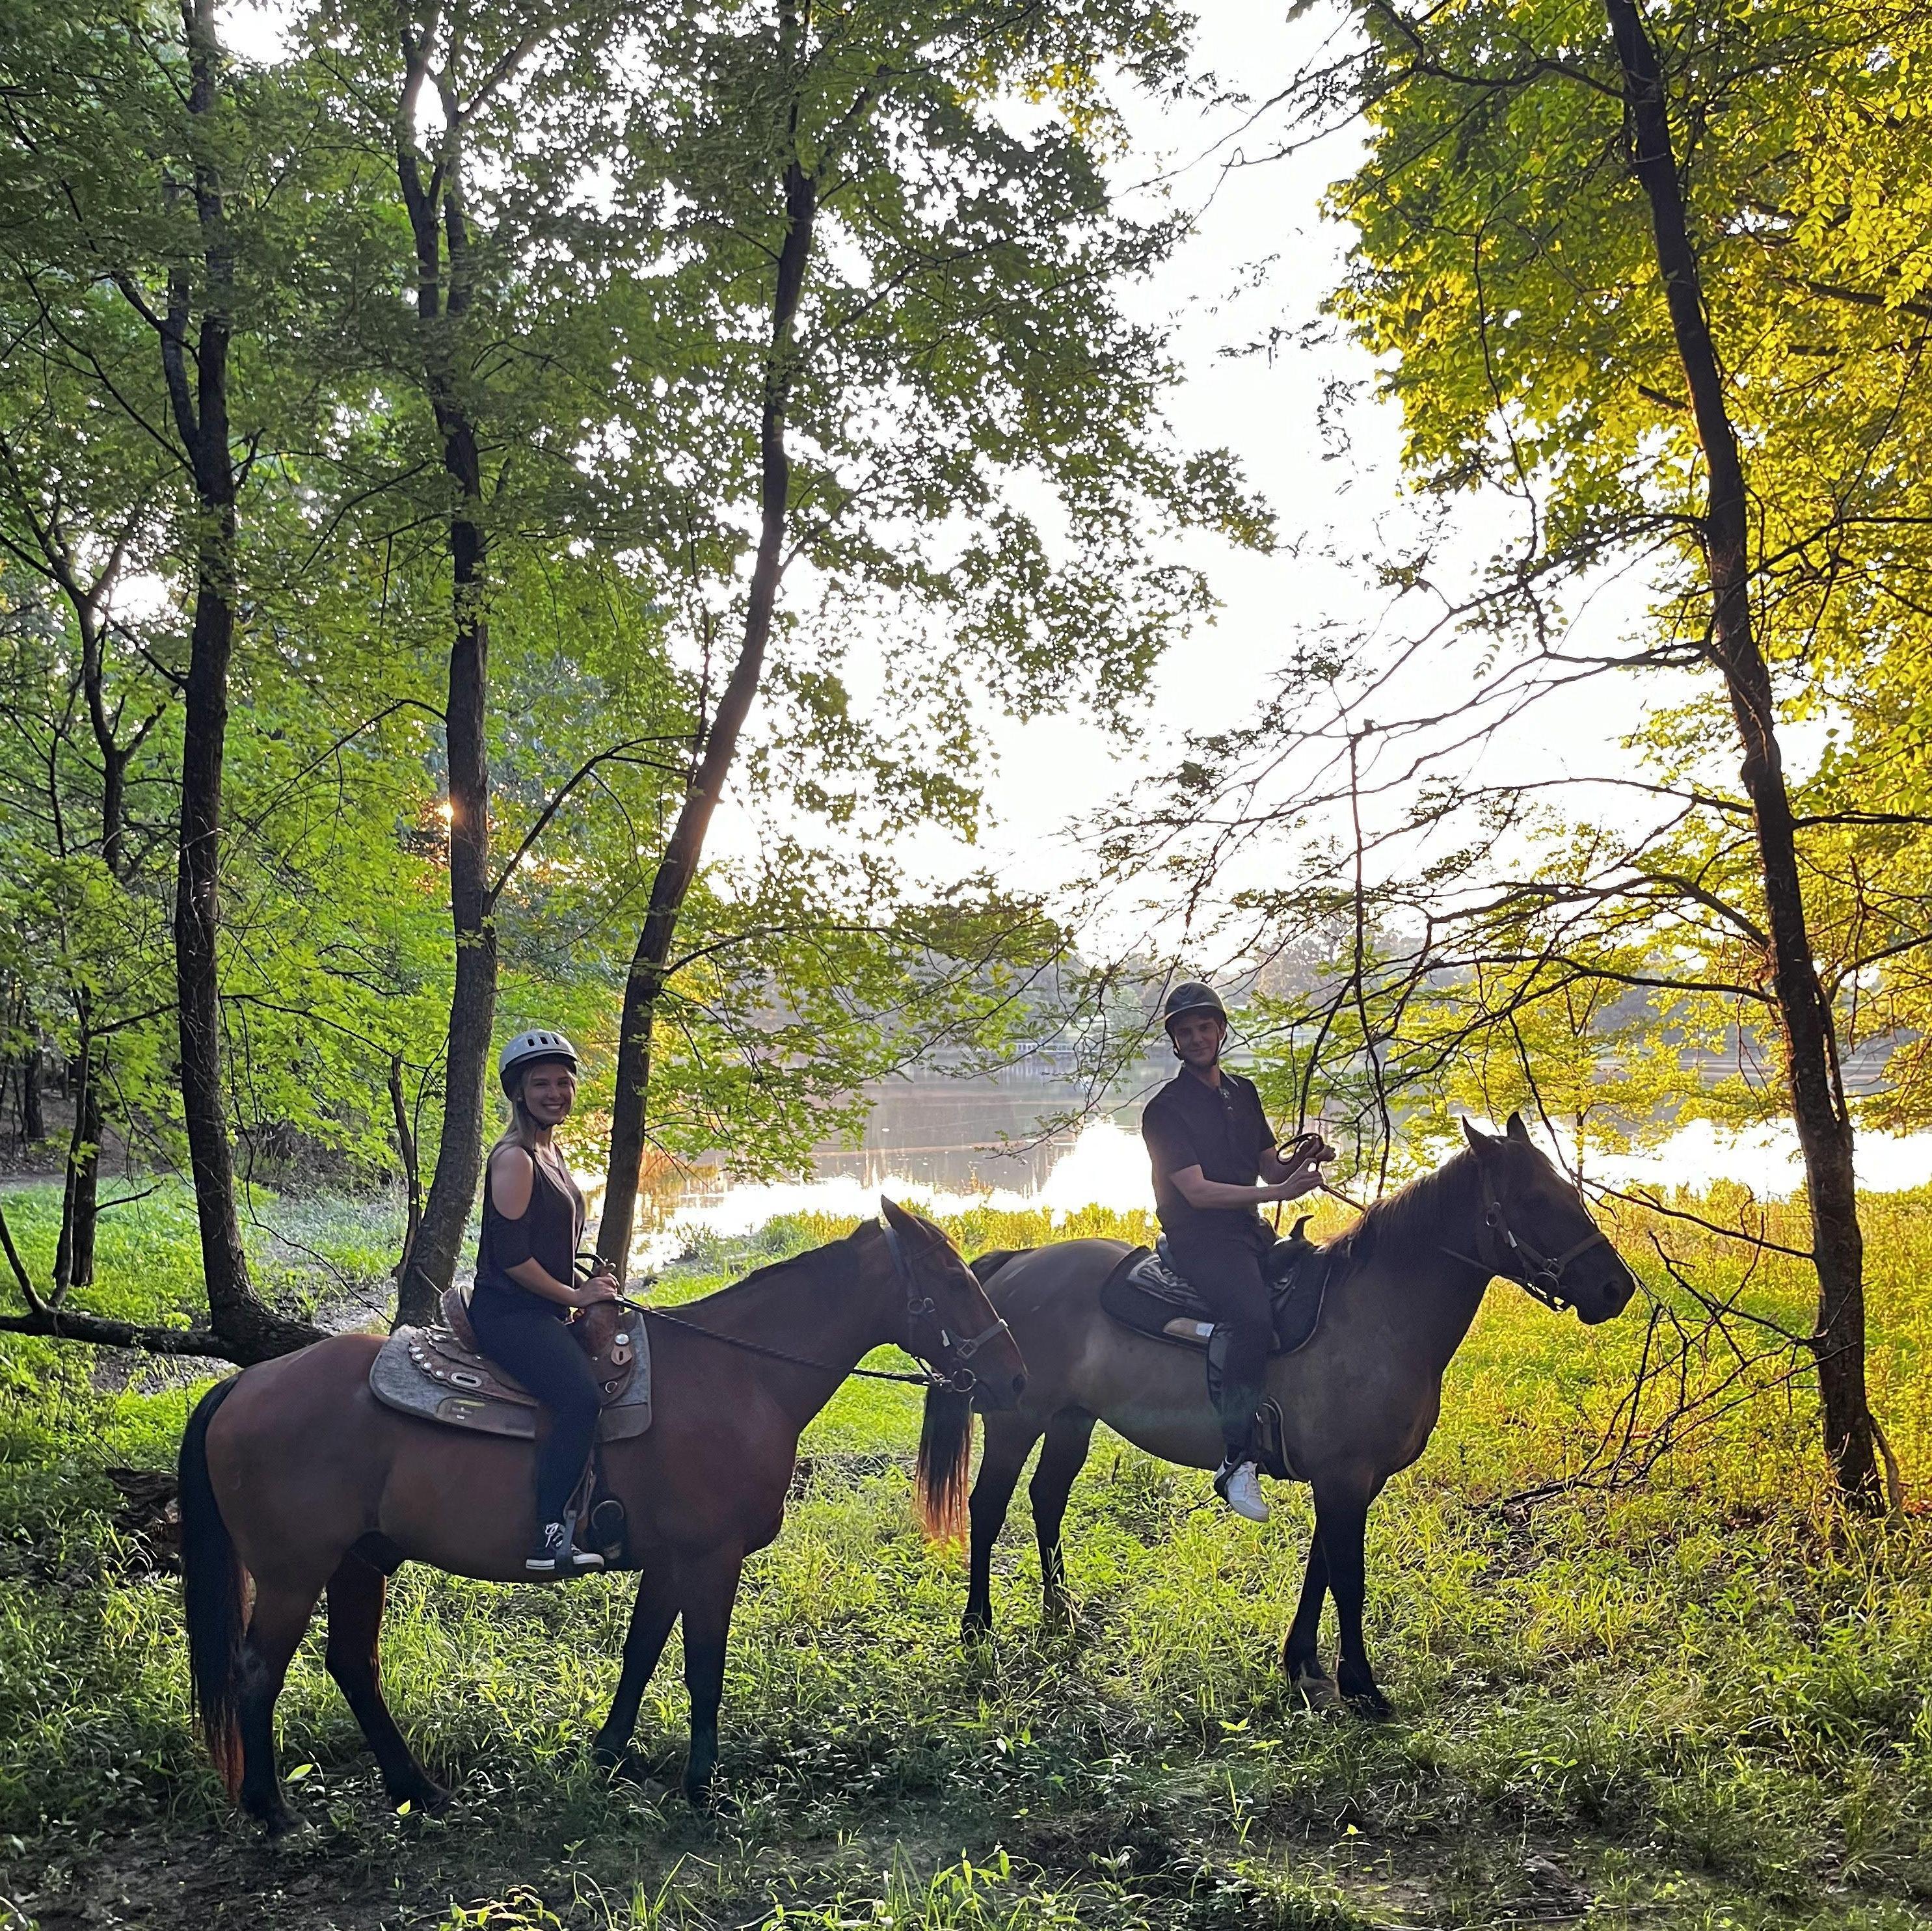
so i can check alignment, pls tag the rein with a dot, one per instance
(961, 1380)
(927, 1378)
(1541, 1275)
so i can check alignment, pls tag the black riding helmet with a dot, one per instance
(1192, 995)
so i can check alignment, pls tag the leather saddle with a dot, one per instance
(1148, 1294)
(439, 1374)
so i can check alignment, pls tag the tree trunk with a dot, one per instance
(431, 1263)
(80, 1201)
(1818, 1107)
(405, 1151)
(231, 1300)
(678, 867)
(33, 1109)
(201, 411)
(473, 1003)
(74, 1247)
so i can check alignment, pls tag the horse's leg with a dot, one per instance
(1069, 1435)
(1010, 1441)
(356, 1591)
(651, 1616)
(1301, 1654)
(709, 1593)
(281, 1614)
(1341, 1521)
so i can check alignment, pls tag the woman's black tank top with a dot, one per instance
(547, 1234)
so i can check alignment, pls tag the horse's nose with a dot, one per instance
(1019, 1384)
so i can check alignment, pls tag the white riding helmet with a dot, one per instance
(526, 1048)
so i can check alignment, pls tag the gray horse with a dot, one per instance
(1358, 1402)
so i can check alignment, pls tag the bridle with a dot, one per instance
(1538, 1274)
(959, 1378)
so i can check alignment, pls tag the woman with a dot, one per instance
(526, 1283)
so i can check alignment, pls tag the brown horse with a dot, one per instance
(1358, 1402)
(293, 1474)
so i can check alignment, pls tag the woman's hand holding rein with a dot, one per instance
(601, 1286)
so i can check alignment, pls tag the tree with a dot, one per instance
(81, 522)
(154, 194)
(457, 101)
(896, 304)
(1656, 277)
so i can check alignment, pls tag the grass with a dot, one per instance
(1696, 1699)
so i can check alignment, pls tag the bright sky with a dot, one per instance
(1265, 409)
(1258, 263)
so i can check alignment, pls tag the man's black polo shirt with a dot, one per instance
(1221, 1129)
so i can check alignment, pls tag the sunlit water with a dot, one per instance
(952, 1145)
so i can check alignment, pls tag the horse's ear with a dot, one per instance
(1516, 1129)
(896, 1214)
(1479, 1142)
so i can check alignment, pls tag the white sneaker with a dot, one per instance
(1240, 1487)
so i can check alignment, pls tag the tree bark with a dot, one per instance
(1818, 1107)
(437, 222)
(74, 1247)
(80, 1201)
(200, 403)
(33, 1111)
(678, 866)
(405, 1150)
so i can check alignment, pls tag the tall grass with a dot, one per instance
(1700, 1694)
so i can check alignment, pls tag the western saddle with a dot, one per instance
(439, 1373)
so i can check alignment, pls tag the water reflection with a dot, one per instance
(966, 1136)
(945, 1143)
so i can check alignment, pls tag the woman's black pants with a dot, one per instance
(524, 1337)
(1225, 1270)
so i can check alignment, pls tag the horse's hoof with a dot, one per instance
(625, 1766)
(1370, 1702)
(281, 1825)
(425, 1800)
(975, 1630)
(1317, 1687)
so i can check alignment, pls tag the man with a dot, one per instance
(1215, 1163)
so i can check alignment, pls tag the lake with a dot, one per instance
(945, 1142)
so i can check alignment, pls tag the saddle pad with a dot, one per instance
(426, 1373)
(1145, 1293)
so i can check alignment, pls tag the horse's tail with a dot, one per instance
(213, 1582)
(945, 1456)
(946, 1438)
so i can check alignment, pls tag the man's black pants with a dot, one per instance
(520, 1333)
(1226, 1270)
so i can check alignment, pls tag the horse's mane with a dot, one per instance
(814, 1261)
(1412, 1214)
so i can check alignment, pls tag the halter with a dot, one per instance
(1539, 1275)
(961, 1380)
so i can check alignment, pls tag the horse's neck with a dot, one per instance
(1437, 1295)
(829, 1316)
